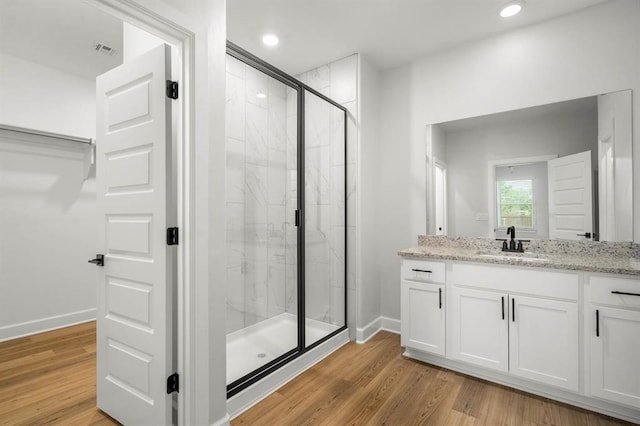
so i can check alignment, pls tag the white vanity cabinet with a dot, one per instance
(479, 327)
(566, 334)
(612, 324)
(423, 306)
(520, 321)
(543, 341)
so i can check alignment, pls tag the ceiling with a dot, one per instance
(60, 34)
(387, 32)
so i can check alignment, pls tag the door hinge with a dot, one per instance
(172, 89)
(173, 383)
(173, 236)
(297, 218)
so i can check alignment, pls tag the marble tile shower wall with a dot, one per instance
(259, 222)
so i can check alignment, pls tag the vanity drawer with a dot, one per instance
(423, 270)
(602, 288)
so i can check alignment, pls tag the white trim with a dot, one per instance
(41, 325)
(391, 325)
(363, 335)
(439, 164)
(545, 391)
(491, 178)
(431, 213)
(184, 41)
(368, 331)
(246, 399)
(224, 421)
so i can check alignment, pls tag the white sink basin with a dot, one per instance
(514, 257)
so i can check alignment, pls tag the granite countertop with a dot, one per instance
(607, 262)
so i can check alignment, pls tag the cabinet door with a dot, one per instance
(615, 354)
(480, 327)
(543, 341)
(423, 317)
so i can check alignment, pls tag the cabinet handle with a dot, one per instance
(513, 309)
(440, 297)
(502, 307)
(422, 270)
(625, 293)
(597, 323)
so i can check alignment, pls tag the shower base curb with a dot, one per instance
(244, 400)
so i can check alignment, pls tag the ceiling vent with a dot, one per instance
(103, 48)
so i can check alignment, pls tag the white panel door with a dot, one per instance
(423, 317)
(615, 355)
(134, 335)
(480, 328)
(570, 197)
(543, 341)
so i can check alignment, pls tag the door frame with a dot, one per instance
(440, 165)
(183, 149)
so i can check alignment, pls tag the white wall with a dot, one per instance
(48, 212)
(369, 178)
(469, 150)
(40, 97)
(400, 193)
(583, 54)
(136, 42)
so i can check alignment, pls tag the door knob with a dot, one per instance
(586, 234)
(98, 261)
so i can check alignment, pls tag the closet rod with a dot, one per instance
(47, 134)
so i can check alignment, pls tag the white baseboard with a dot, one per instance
(368, 331)
(224, 421)
(247, 398)
(381, 323)
(28, 328)
(390, 324)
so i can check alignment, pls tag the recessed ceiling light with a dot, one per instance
(512, 8)
(270, 40)
(261, 95)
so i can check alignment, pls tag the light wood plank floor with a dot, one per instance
(372, 384)
(50, 378)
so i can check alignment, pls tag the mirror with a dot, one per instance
(556, 171)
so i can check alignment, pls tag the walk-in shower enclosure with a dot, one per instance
(286, 218)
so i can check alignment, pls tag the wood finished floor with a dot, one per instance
(49, 378)
(372, 384)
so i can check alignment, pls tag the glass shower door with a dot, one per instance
(325, 218)
(261, 200)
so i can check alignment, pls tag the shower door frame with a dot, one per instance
(251, 60)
